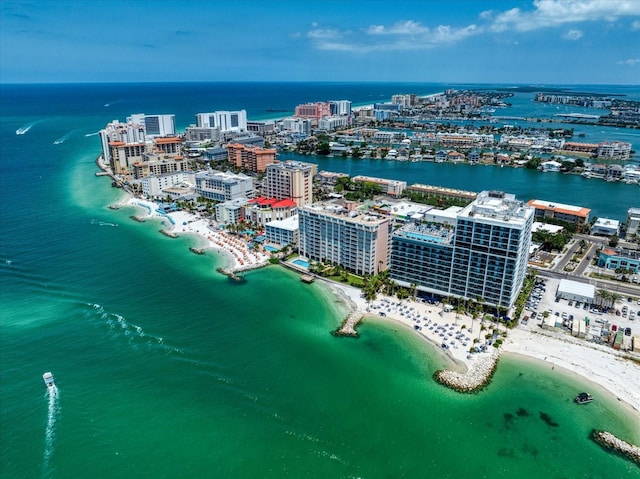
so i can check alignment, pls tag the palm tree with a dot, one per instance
(603, 295)
(614, 298)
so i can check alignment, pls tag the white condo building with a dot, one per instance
(155, 125)
(357, 241)
(483, 256)
(225, 121)
(223, 186)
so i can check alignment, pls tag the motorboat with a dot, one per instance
(583, 398)
(48, 380)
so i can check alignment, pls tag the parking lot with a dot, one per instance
(543, 298)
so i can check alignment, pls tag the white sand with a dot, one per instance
(598, 363)
(240, 255)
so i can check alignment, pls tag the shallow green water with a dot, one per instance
(167, 369)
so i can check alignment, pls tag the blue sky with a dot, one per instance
(460, 41)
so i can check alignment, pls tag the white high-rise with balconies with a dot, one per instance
(483, 257)
(225, 121)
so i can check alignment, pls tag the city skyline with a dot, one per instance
(514, 41)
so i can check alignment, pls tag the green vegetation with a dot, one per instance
(357, 190)
(435, 200)
(552, 241)
(525, 291)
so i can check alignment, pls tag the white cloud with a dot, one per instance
(573, 34)
(630, 62)
(549, 13)
(401, 36)
(408, 27)
(324, 33)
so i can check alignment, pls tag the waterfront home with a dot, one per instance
(441, 156)
(631, 174)
(550, 165)
(614, 172)
(473, 157)
(633, 221)
(455, 157)
(605, 227)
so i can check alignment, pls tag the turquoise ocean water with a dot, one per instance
(167, 369)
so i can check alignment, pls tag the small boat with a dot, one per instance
(583, 398)
(48, 380)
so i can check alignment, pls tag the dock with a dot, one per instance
(307, 278)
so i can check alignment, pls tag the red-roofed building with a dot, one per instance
(262, 210)
(571, 214)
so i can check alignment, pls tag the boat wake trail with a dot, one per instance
(26, 127)
(92, 134)
(102, 223)
(53, 397)
(120, 328)
(62, 139)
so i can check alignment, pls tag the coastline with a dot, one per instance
(240, 257)
(597, 364)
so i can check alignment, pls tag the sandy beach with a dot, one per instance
(597, 363)
(455, 334)
(240, 255)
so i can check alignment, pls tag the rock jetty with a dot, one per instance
(348, 326)
(609, 441)
(475, 379)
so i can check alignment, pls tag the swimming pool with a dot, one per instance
(301, 262)
(271, 249)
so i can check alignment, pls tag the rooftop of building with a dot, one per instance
(291, 165)
(378, 180)
(290, 224)
(559, 207)
(223, 175)
(606, 223)
(352, 216)
(622, 252)
(428, 232)
(498, 206)
(443, 191)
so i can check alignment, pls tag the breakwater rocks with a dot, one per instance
(609, 441)
(137, 218)
(170, 234)
(195, 250)
(348, 326)
(231, 275)
(475, 379)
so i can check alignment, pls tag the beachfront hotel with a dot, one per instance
(290, 179)
(482, 253)
(355, 240)
(223, 186)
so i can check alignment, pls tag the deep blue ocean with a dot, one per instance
(167, 369)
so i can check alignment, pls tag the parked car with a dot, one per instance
(627, 331)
